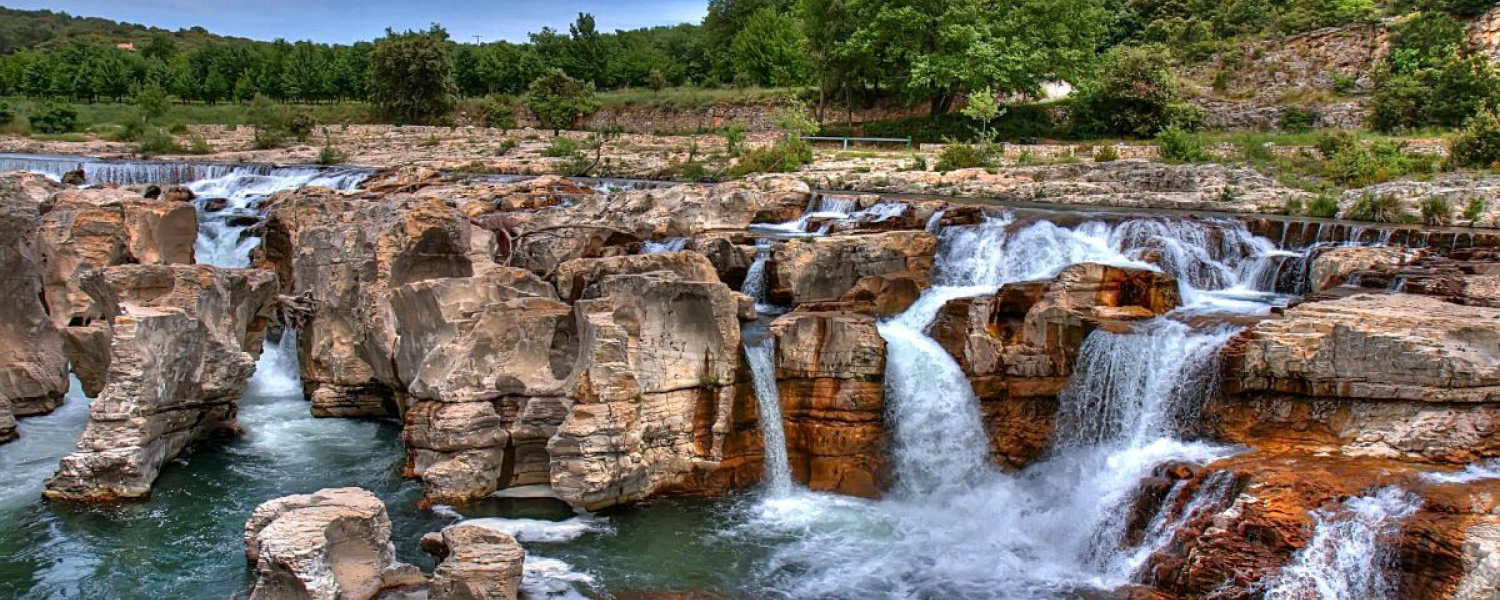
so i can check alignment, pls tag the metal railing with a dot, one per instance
(874, 140)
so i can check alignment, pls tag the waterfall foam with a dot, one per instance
(277, 372)
(761, 357)
(1350, 553)
(667, 245)
(1479, 471)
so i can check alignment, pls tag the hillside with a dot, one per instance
(41, 29)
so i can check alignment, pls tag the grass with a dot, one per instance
(101, 117)
(693, 97)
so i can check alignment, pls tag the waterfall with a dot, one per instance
(667, 245)
(1212, 497)
(934, 221)
(1479, 471)
(277, 372)
(762, 359)
(221, 240)
(1350, 553)
(754, 285)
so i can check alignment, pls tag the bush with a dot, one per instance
(500, 112)
(301, 125)
(1017, 121)
(6, 116)
(916, 163)
(559, 101)
(1136, 94)
(1474, 210)
(330, 155)
(1378, 209)
(1436, 211)
(155, 140)
(1179, 145)
(1478, 144)
(1297, 119)
(1106, 154)
(506, 146)
(55, 118)
(734, 138)
(785, 156)
(1331, 143)
(1293, 206)
(961, 156)
(270, 121)
(1324, 206)
(561, 147)
(197, 144)
(152, 101)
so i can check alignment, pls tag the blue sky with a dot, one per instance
(343, 22)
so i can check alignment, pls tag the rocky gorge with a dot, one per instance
(553, 387)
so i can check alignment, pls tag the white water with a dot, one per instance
(536, 530)
(957, 527)
(1212, 497)
(762, 359)
(222, 244)
(1479, 471)
(1350, 554)
(667, 245)
(550, 578)
(277, 373)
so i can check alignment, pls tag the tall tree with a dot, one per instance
(411, 78)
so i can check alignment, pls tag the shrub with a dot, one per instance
(1343, 84)
(1136, 94)
(559, 101)
(197, 144)
(1436, 211)
(734, 138)
(561, 147)
(916, 163)
(961, 156)
(1179, 145)
(55, 118)
(500, 112)
(1475, 209)
(155, 140)
(1297, 119)
(301, 125)
(152, 101)
(1478, 144)
(330, 155)
(1293, 206)
(1333, 142)
(1378, 209)
(1359, 165)
(785, 156)
(1106, 154)
(1324, 206)
(506, 146)
(411, 77)
(270, 121)
(6, 116)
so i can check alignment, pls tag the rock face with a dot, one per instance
(475, 563)
(33, 370)
(334, 544)
(1019, 345)
(830, 372)
(184, 341)
(1256, 511)
(825, 269)
(347, 252)
(1382, 375)
(1333, 267)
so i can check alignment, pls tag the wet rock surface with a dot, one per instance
(475, 563)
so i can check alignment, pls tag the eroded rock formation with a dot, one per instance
(183, 341)
(33, 369)
(475, 563)
(825, 269)
(334, 544)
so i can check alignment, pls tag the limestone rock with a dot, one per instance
(334, 544)
(1332, 267)
(830, 372)
(576, 276)
(824, 269)
(681, 210)
(184, 341)
(476, 563)
(33, 369)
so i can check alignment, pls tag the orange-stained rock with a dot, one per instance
(830, 371)
(825, 269)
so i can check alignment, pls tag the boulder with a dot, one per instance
(824, 269)
(885, 295)
(334, 544)
(654, 390)
(184, 341)
(33, 369)
(1385, 375)
(348, 252)
(830, 373)
(1332, 267)
(575, 276)
(475, 563)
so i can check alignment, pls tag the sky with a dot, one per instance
(343, 22)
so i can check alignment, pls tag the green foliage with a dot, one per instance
(1293, 206)
(330, 154)
(1478, 144)
(6, 116)
(506, 146)
(301, 125)
(785, 156)
(1343, 84)
(961, 156)
(1334, 142)
(155, 140)
(197, 144)
(1297, 119)
(1475, 209)
(1436, 211)
(271, 122)
(559, 101)
(1323, 206)
(1136, 94)
(411, 77)
(152, 101)
(500, 112)
(768, 50)
(561, 147)
(734, 139)
(1355, 165)
(983, 107)
(1180, 145)
(1106, 154)
(796, 119)
(55, 118)
(656, 80)
(916, 163)
(1429, 78)
(1378, 209)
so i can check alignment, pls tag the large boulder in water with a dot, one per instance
(1332, 267)
(824, 269)
(184, 341)
(1397, 376)
(475, 563)
(33, 369)
(830, 373)
(334, 544)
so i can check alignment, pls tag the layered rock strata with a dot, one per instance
(33, 369)
(334, 544)
(183, 342)
(475, 563)
(825, 269)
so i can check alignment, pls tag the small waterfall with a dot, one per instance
(667, 245)
(277, 373)
(755, 279)
(1489, 469)
(1350, 555)
(1212, 497)
(934, 221)
(762, 359)
(221, 240)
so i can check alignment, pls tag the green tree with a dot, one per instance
(983, 107)
(1136, 94)
(769, 50)
(559, 101)
(411, 78)
(152, 101)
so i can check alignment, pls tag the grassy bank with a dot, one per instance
(104, 117)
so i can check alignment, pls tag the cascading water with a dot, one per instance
(221, 240)
(667, 245)
(277, 373)
(1350, 553)
(762, 358)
